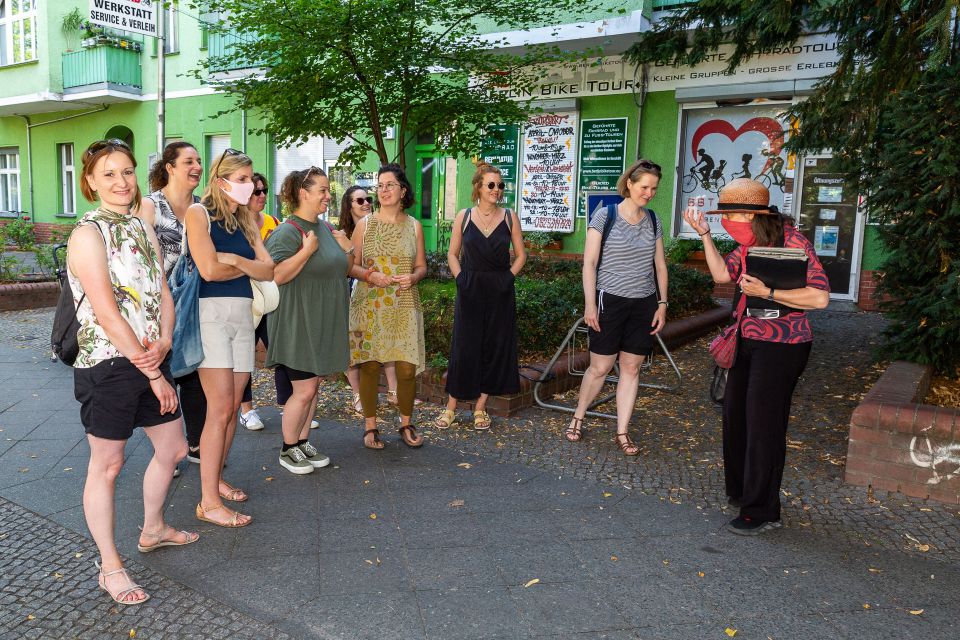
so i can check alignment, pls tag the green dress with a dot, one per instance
(308, 330)
(386, 324)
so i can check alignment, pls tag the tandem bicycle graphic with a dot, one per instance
(943, 460)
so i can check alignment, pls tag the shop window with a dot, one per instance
(18, 31)
(68, 199)
(719, 144)
(9, 181)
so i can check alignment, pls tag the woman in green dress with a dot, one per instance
(386, 319)
(308, 331)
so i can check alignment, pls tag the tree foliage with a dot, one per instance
(348, 69)
(885, 114)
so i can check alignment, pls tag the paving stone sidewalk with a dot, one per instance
(435, 543)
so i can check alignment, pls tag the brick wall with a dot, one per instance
(869, 299)
(898, 444)
(28, 295)
(43, 230)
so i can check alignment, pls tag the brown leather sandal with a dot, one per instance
(574, 432)
(626, 445)
(412, 434)
(377, 442)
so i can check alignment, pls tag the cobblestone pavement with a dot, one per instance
(556, 541)
(680, 436)
(48, 589)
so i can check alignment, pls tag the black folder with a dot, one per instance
(779, 268)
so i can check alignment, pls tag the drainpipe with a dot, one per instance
(243, 130)
(30, 127)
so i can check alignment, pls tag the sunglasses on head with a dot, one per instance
(362, 201)
(649, 165)
(229, 151)
(496, 185)
(100, 145)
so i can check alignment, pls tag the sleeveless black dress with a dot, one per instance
(483, 354)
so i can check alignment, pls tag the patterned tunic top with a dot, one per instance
(386, 324)
(792, 328)
(169, 230)
(135, 276)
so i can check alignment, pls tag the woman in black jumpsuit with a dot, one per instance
(483, 353)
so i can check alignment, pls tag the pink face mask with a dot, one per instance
(741, 232)
(240, 192)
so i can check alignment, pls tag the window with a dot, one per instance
(18, 31)
(171, 38)
(216, 145)
(68, 200)
(9, 179)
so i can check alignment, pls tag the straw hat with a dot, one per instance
(266, 298)
(744, 195)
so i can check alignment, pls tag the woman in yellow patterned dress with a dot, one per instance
(386, 320)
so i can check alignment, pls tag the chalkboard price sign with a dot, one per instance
(500, 149)
(603, 150)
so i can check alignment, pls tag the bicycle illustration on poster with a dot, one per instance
(723, 143)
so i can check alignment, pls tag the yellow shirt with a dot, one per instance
(269, 224)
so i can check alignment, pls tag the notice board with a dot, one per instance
(500, 148)
(603, 150)
(547, 198)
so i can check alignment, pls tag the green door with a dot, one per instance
(429, 195)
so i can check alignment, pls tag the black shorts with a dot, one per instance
(115, 398)
(624, 325)
(295, 375)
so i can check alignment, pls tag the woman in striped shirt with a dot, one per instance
(622, 308)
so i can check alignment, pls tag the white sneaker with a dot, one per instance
(251, 420)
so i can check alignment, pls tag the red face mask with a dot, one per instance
(741, 232)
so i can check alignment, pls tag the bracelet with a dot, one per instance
(705, 233)
(663, 302)
(350, 252)
(159, 375)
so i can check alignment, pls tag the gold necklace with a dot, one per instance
(486, 228)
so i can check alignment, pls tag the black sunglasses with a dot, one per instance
(646, 164)
(496, 185)
(361, 201)
(100, 145)
(259, 192)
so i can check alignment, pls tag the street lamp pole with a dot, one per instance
(161, 78)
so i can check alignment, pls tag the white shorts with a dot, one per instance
(226, 331)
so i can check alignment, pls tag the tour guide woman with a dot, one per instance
(621, 307)
(771, 354)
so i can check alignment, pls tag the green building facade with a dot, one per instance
(62, 88)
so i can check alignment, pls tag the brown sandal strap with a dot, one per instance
(626, 444)
(375, 432)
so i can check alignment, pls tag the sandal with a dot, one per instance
(574, 432)
(481, 420)
(446, 419)
(235, 521)
(377, 442)
(120, 597)
(160, 541)
(356, 404)
(392, 397)
(626, 445)
(412, 434)
(232, 493)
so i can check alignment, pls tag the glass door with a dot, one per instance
(429, 187)
(830, 217)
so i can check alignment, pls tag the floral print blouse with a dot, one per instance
(136, 278)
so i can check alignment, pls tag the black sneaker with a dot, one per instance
(193, 455)
(747, 526)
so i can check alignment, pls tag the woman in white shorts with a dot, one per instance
(225, 244)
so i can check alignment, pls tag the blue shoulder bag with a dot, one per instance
(184, 282)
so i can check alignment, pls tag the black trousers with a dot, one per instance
(260, 334)
(756, 408)
(193, 405)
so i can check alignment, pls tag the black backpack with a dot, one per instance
(63, 337)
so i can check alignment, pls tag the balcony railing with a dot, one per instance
(102, 67)
(221, 44)
(661, 5)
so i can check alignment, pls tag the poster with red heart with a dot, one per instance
(723, 143)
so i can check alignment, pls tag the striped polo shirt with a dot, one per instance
(626, 269)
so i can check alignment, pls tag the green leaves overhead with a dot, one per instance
(347, 69)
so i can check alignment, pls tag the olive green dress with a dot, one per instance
(308, 330)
